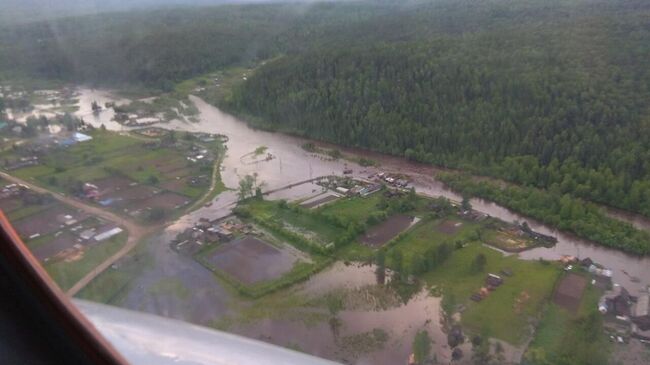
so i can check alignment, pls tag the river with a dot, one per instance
(210, 300)
(292, 164)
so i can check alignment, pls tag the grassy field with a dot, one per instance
(27, 210)
(553, 341)
(512, 305)
(66, 274)
(426, 234)
(506, 312)
(355, 209)
(323, 231)
(112, 285)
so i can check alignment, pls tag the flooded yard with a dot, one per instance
(379, 334)
(250, 260)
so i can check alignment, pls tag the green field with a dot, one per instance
(324, 231)
(355, 209)
(214, 92)
(566, 338)
(499, 314)
(532, 283)
(66, 274)
(426, 235)
(27, 210)
(506, 312)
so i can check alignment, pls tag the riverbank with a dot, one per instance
(561, 211)
(152, 289)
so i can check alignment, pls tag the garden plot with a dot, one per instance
(250, 260)
(449, 227)
(388, 229)
(165, 200)
(112, 183)
(63, 242)
(10, 204)
(320, 200)
(569, 291)
(48, 221)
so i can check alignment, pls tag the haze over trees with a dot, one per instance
(558, 103)
(547, 94)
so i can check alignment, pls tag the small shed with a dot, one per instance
(620, 305)
(586, 262)
(493, 280)
(80, 137)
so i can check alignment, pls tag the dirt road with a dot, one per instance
(136, 232)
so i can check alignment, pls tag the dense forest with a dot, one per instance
(159, 47)
(557, 102)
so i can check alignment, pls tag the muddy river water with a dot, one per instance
(290, 164)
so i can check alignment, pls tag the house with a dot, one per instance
(641, 318)
(91, 191)
(596, 270)
(492, 281)
(587, 262)
(370, 189)
(87, 234)
(80, 137)
(568, 259)
(342, 190)
(617, 302)
(641, 313)
(476, 297)
(108, 234)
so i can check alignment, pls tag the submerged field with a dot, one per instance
(453, 243)
(356, 314)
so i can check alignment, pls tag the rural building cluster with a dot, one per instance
(63, 232)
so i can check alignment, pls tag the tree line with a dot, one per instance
(558, 210)
(555, 103)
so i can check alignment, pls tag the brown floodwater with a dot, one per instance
(401, 322)
(292, 164)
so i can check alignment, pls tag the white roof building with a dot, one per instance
(80, 137)
(108, 234)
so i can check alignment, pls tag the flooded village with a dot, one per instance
(332, 257)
